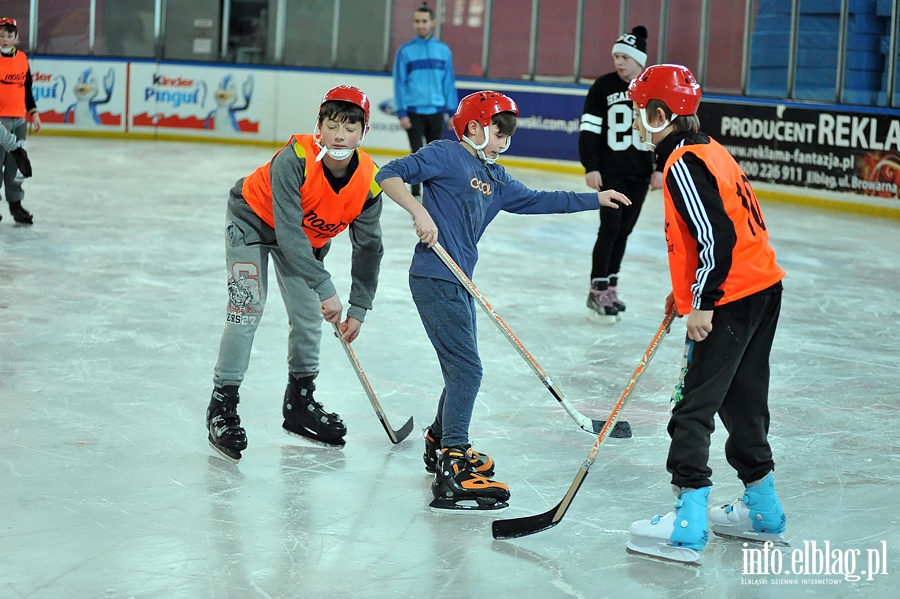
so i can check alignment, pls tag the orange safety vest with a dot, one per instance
(325, 213)
(753, 266)
(13, 70)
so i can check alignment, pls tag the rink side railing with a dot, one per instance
(801, 153)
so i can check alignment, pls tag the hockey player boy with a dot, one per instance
(289, 210)
(726, 282)
(463, 190)
(16, 105)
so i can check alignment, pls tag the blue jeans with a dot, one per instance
(448, 315)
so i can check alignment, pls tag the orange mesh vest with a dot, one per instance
(753, 266)
(13, 70)
(325, 213)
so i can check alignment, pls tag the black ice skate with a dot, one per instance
(457, 486)
(20, 215)
(226, 435)
(481, 462)
(617, 303)
(599, 303)
(306, 418)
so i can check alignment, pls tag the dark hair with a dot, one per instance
(342, 112)
(681, 124)
(426, 8)
(506, 122)
(9, 28)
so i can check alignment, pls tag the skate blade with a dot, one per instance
(757, 538)
(601, 318)
(468, 505)
(315, 440)
(665, 554)
(227, 454)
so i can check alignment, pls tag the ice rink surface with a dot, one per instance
(112, 307)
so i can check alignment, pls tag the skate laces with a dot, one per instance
(227, 421)
(226, 412)
(314, 406)
(602, 297)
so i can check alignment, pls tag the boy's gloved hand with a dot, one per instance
(22, 161)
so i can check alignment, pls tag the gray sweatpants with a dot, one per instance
(12, 178)
(247, 257)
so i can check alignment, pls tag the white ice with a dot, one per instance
(112, 307)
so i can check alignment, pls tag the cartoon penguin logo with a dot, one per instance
(223, 119)
(87, 89)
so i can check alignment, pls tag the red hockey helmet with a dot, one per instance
(669, 83)
(349, 93)
(10, 22)
(481, 107)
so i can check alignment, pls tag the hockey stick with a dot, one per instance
(395, 436)
(588, 424)
(520, 527)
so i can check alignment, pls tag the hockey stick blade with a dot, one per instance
(519, 527)
(622, 430)
(404, 430)
(512, 528)
(394, 436)
(587, 424)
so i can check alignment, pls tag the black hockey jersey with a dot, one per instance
(606, 142)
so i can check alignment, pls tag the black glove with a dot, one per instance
(22, 161)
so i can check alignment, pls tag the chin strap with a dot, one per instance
(479, 148)
(656, 129)
(339, 154)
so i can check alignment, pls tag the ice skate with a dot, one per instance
(757, 516)
(20, 215)
(457, 486)
(481, 462)
(223, 424)
(679, 536)
(614, 294)
(599, 303)
(617, 303)
(304, 417)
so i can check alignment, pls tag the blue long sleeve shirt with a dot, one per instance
(463, 195)
(423, 78)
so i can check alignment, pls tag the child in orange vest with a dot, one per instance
(289, 210)
(16, 101)
(726, 282)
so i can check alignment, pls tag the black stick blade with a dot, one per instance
(622, 430)
(513, 528)
(403, 432)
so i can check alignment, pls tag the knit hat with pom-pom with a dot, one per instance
(633, 44)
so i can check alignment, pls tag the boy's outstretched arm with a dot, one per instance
(425, 227)
(609, 198)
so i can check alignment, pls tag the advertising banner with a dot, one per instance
(852, 154)
(549, 118)
(82, 95)
(201, 100)
(813, 148)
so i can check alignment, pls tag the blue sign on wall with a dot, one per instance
(548, 123)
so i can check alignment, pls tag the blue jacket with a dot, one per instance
(463, 195)
(423, 78)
